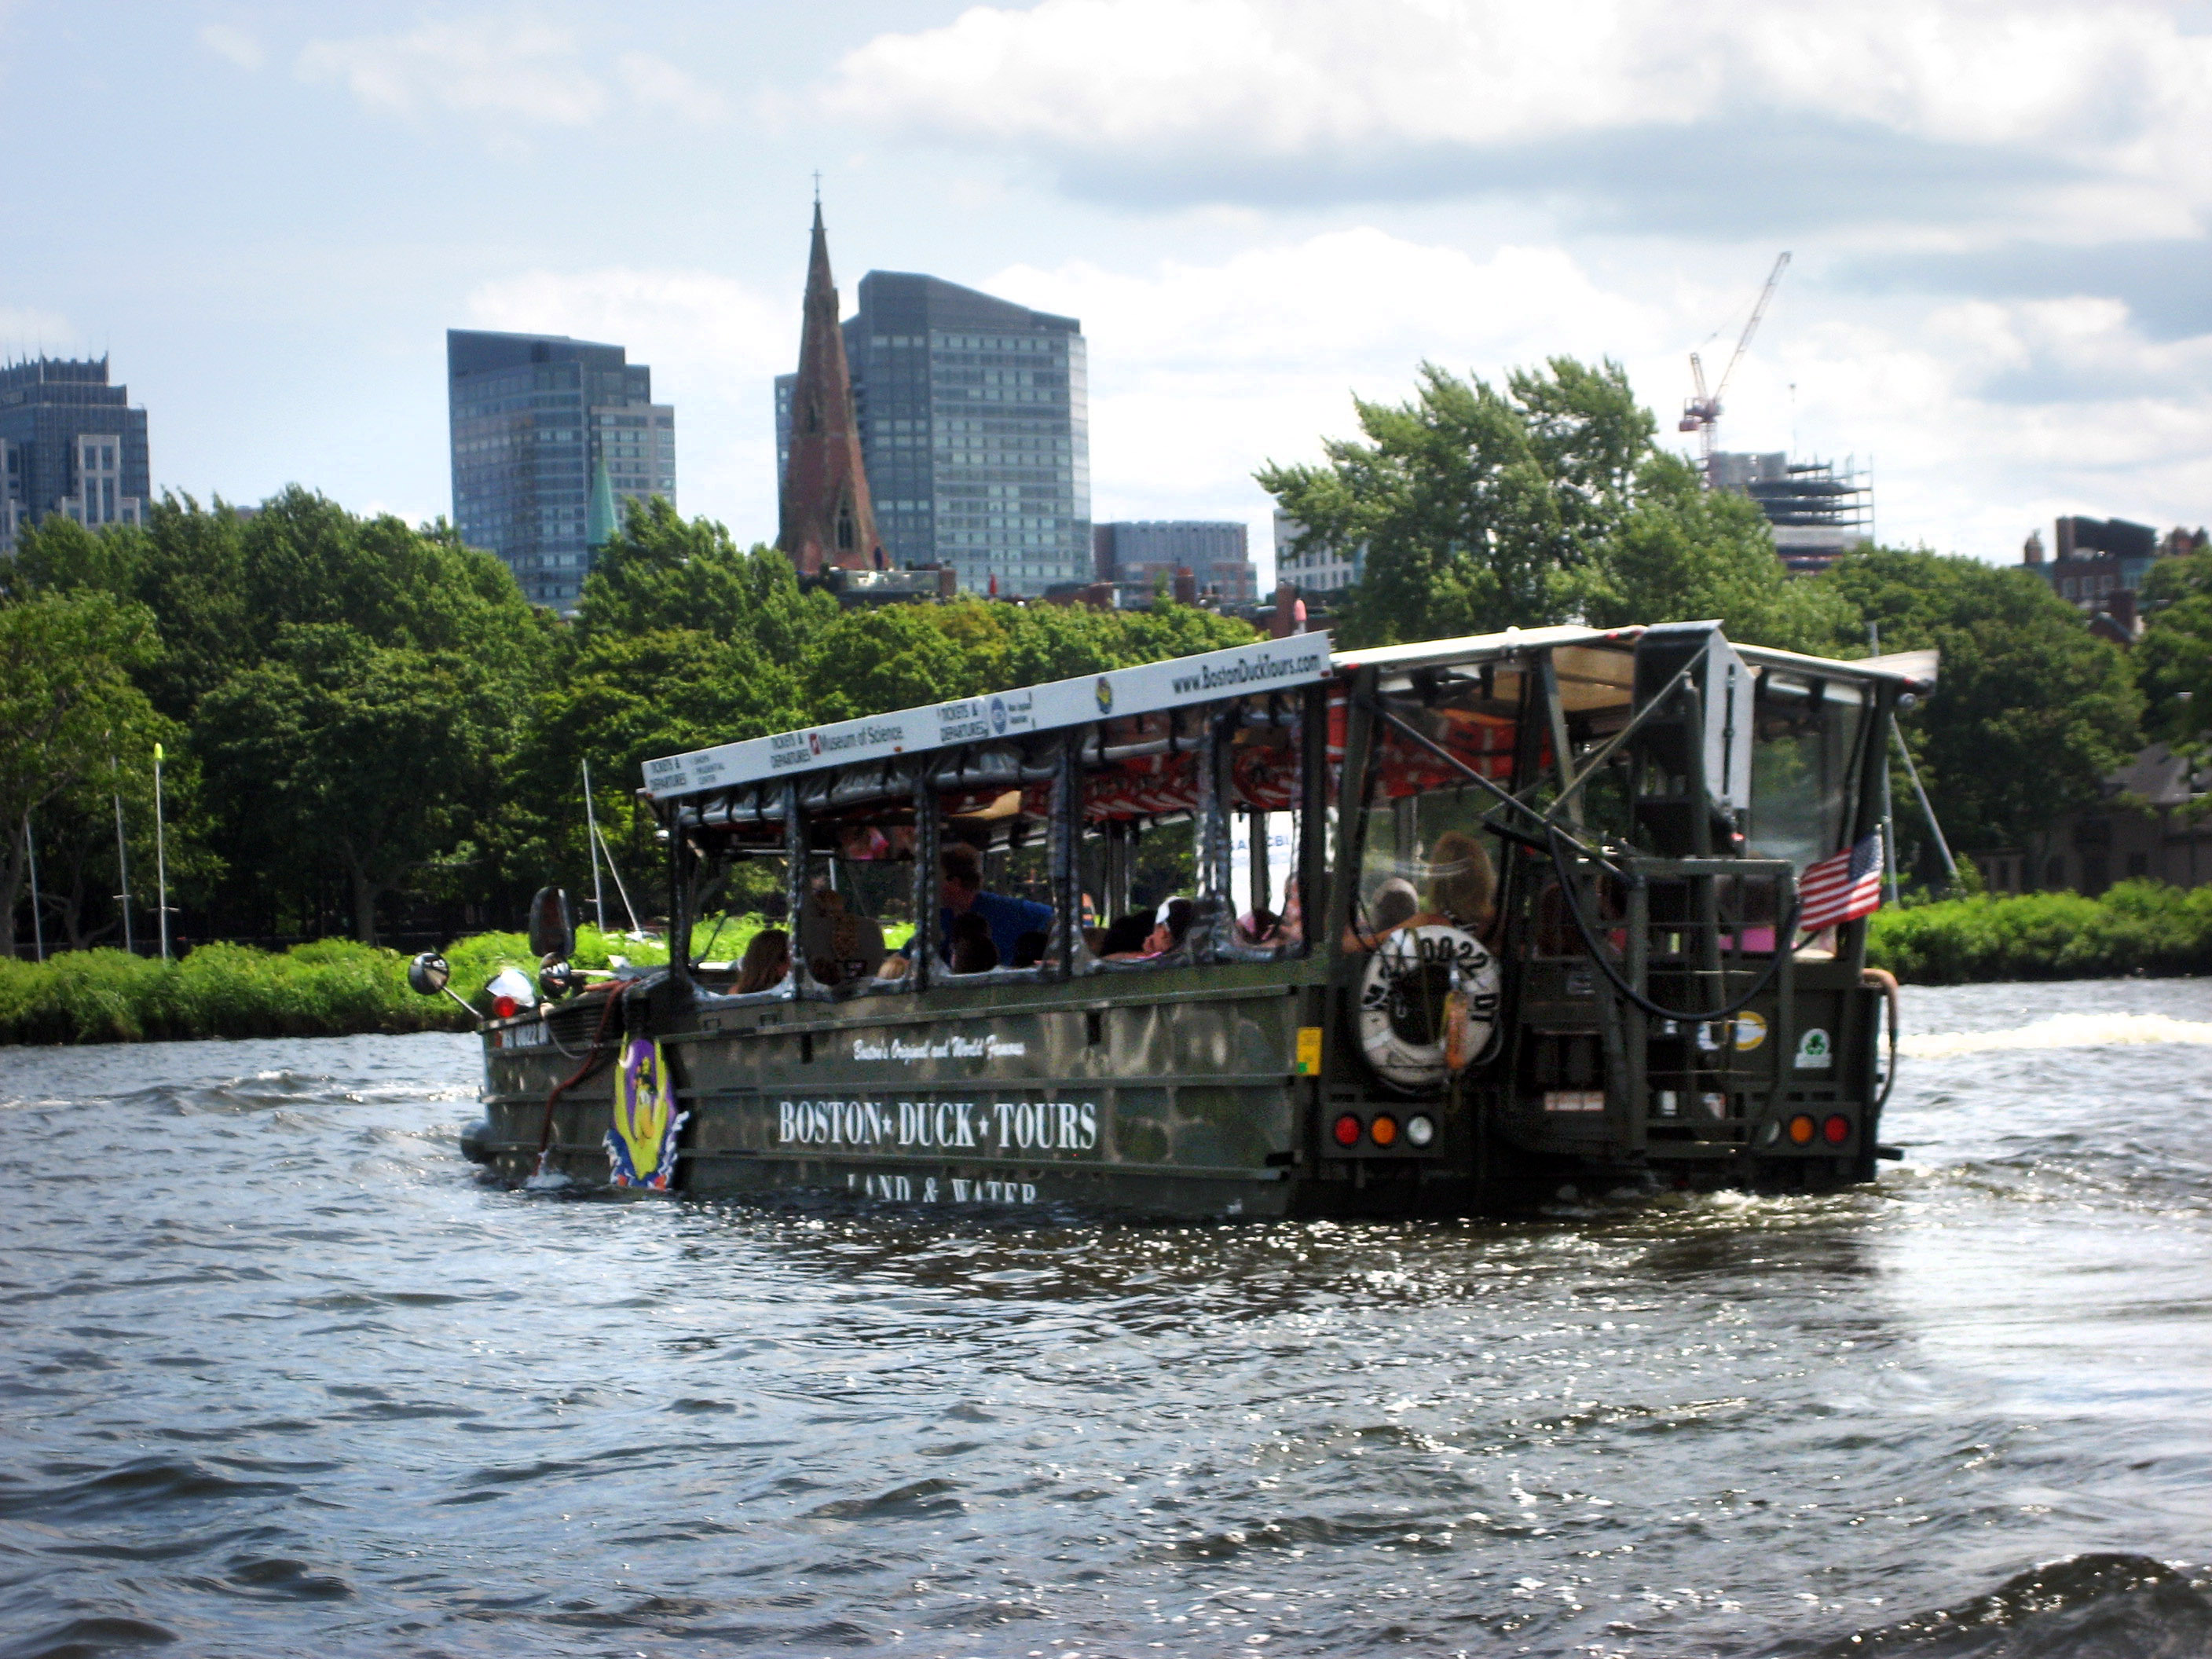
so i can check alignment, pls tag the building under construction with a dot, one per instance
(1818, 510)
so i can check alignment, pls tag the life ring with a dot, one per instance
(1428, 1005)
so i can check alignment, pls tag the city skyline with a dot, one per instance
(1999, 232)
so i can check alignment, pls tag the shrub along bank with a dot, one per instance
(2136, 927)
(332, 987)
(335, 988)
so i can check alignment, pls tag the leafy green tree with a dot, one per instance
(1479, 508)
(2032, 710)
(2173, 658)
(659, 572)
(1683, 552)
(72, 719)
(380, 757)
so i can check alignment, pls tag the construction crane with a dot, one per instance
(1702, 413)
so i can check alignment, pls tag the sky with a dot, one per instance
(1999, 299)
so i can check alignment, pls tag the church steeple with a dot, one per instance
(828, 521)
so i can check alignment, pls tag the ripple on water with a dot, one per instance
(281, 1377)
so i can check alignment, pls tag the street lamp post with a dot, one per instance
(160, 857)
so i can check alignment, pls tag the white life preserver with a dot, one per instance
(1428, 1005)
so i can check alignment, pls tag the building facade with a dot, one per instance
(539, 420)
(69, 443)
(1217, 553)
(973, 419)
(1314, 568)
(2100, 567)
(2154, 822)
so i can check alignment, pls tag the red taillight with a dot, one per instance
(504, 1007)
(1347, 1131)
(1383, 1130)
(1837, 1128)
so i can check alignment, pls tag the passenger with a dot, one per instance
(1463, 889)
(766, 961)
(973, 952)
(839, 945)
(1258, 926)
(1389, 908)
(1125, 940)
(962, 893)
(1168, 933)
(1029, 948)
(1094, 940)
(894, 966)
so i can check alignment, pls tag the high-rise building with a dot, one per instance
(1216, 553)
(538, 421)
(974, 425)
(69, 443)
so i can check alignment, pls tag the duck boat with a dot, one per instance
(1442, 928)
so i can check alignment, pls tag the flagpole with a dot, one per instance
(1888, 818)
(1950, 864)
(592, 835)
(31, 857)
(160, 857)
(122, 856)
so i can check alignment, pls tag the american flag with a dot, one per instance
(1842, 887)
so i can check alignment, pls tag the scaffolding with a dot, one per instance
(1819, 510)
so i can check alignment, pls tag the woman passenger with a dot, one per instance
(766, 961)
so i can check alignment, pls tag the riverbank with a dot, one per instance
(334, 987)
(2135, 928)
(331, 988)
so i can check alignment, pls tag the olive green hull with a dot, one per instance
(1174, 1094)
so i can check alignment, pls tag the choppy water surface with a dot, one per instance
(280, 1378)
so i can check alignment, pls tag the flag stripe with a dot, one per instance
(1842, 887)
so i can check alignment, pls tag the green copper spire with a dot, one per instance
(599, 525)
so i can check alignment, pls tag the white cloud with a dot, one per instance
(237, 44)
(507, 67)
(714, 346)
(654, 83)
(1983, 419)
(1215, 93)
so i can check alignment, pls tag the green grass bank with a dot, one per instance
(2135, 928)
(335, 988)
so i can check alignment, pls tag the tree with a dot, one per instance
(2032, 710)
(1479, 509)
(1683, 552)
(71, 719)
(2173, 658)
(381, 758)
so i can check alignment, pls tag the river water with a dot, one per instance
(281, 1377)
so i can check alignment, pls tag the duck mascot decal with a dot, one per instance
(642, 1146)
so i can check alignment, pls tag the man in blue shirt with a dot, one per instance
(962, 893)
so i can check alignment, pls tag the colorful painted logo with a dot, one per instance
(641, 1147)
(1105, 695)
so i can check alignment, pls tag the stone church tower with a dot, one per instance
(829, 523)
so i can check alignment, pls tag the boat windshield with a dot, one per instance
(1803, 760)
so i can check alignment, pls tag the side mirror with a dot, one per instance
(552, 929)
(427, 974)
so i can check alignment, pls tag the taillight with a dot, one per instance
(1347, 1130)
(1837, 1128)
(1384, 1131)
(1802, 1129)
(1421, 1131)
(504, 1007)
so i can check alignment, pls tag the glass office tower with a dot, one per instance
(536, 417)
(71, 444)
(975, 424)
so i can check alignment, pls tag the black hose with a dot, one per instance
(1783, 936)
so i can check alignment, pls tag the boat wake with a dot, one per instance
(2061, 1031)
